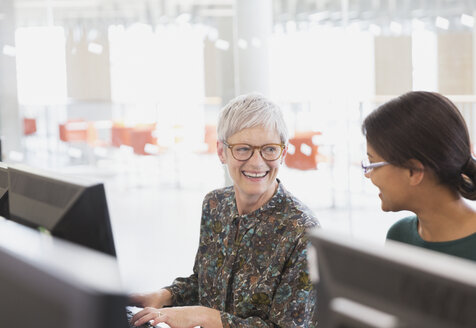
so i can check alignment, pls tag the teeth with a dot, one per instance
(254, 175)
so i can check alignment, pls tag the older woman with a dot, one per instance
(251, 267)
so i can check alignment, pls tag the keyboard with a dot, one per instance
(131, 310)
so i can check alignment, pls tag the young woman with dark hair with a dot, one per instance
(419, 156)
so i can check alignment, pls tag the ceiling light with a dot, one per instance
(418, 24)
(319, 16)
(9, 50)
(222, 44)
(354, 27)
(467, 20)
(375, 29)
(95, 48)
(396, 27)
(256, 42)
(92, 34)
(212, 34)
(442, 23)
(242, 44)
(183, 18)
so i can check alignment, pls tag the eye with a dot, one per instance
(242, 148)
(270, 149)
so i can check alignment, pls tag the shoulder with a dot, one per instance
(219, 195)
(402, 228)
(296, 212)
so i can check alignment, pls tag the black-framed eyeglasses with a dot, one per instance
(243, 152)
(368, 167)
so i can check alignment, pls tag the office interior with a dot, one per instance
(128, 93)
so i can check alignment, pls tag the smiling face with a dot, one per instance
(392, 182)
(254, 180)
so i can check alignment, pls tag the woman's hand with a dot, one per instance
(157, 299)
(179, 317)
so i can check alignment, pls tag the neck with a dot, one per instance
(249, 203)
(443, 216)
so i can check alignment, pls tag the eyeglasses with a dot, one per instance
(243, 152)
(368, 167)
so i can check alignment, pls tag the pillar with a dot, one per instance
(10, 124)
(88, 75)
(393, 65)
(455, 63)
(253, 28)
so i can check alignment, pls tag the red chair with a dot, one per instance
(74, 130)
(29, 126)
(139, 137)
(305, 155)
(120, 135)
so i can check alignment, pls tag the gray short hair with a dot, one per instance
(248, 111)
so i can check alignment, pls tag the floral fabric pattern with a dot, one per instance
(253, 267)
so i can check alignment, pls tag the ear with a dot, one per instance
(416, 173)
(283, 155)
(221, 152)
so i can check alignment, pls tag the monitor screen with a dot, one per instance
(69, 208)
(397, 285)
(47, 282)
(4, 209)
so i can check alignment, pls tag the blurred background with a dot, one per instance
(127, 92)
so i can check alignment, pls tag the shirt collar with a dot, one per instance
(255, 216)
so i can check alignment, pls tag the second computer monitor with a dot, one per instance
(69, 208)
(4, 209)
(393, 286)
(46, 282)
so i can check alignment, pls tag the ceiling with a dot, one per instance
(332, 12)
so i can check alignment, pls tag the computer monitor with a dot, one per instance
(4, 209)
(48, 282)
(69, 208)
(397, 285)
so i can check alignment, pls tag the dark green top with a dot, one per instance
(406, 231)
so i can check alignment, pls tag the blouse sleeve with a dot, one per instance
(295, 299)
(185, 290)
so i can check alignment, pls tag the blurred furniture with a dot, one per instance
(94, 133)
(140, 137)
(120, 135)
(303, 153)
(137, 137)
(74, 130)
(211, 138)
(29, 126)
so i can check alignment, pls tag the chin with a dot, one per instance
(256, 190)
(389, 209)
(385, 209)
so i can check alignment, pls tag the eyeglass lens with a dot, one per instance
(244, 152)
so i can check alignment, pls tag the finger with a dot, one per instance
(140, 314)
(161, 317)
(150, 317)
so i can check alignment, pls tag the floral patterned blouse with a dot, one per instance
(253, 267)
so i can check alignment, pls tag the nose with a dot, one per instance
(256, 158)
(367, 174)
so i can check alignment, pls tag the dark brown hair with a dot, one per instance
(428, 127)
